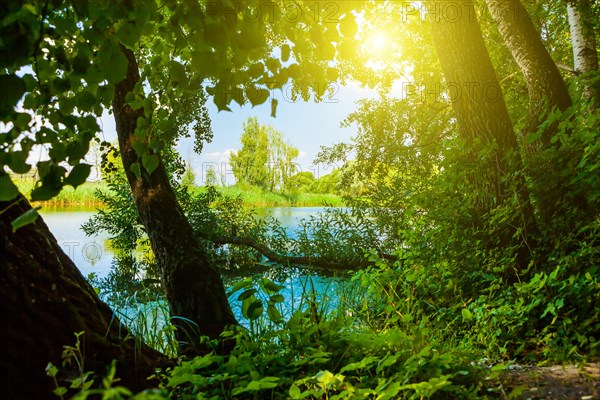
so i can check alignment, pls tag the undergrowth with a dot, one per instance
(390, 332)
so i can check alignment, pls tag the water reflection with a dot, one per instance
(90, 254)
(94, 255)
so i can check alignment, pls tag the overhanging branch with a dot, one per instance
(316, 261)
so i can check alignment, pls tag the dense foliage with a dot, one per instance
(476, 246)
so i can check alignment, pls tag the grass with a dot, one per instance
(84, 195)
(256, 197)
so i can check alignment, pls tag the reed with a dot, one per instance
(83, 195)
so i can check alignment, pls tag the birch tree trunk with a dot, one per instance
(583, 40)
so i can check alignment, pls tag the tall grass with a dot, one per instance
(252, 196)
(84, 195)
(256, 197)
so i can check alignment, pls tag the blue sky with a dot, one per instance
(306, 125)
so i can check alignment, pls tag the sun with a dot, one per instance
(378, 42)
(376, 48)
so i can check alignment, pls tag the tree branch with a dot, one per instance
(315, 261)
(567, 68)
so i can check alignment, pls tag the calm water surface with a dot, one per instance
(92, 254)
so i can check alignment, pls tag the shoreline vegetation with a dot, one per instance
(84, 196)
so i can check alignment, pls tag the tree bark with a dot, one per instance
(547, 92)
(481, 114)
(193, 286)
(583, 39)
(44, 300)
(546, 87)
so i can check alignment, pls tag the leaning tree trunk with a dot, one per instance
(482, 116)
(193, 286)
(44, 301)
(546, 87)
(583, 39)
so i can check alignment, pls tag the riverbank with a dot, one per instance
(256, 197)
(85, 196)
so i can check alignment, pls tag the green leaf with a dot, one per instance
(136, 169)
(177, 72)
(295, 392)
(86, 101)
(220, 98)
(277, 298)
(273, 313)
(257, 96)
(388, 361)
(17, 162)
(129, 34)
(150, 162)
(285, 52)
(255, 309)
(325, 377)
(22, 121)
(13, 88)
(45, 192)
(76, 150)
(113, 62)
(348, 26)
(243, 284)
(466, 314)
(246, 294)
(28, 217)
(140, 147)
(78, 175)
(533, 137)
(51, 370)
(256, 70)
(270, 286)
(81, 63)
(268, 382)
(362, 364)
(215, 34)
(136, 103)
(8, 190)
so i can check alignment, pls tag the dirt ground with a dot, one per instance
(581, 382)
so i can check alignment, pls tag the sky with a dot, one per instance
(305, 125)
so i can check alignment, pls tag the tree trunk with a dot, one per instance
(193, 286)
(546, 87)
(44, 300)
(482, 116)
(583, 39)
(547, 91)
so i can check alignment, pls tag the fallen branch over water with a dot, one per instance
(315, 261)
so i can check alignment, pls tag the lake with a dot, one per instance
(94, 255)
